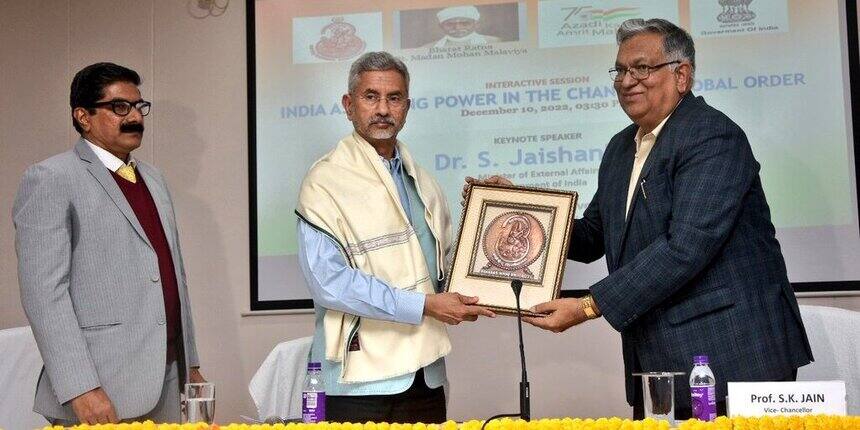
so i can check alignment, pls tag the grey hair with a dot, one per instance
(376, 61)
(677, 43)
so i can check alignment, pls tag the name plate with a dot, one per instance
(756, 399)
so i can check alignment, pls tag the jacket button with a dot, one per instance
(160, 322)
(154, 278)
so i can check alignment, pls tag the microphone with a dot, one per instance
(525, 408)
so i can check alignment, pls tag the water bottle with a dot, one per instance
(313, 395)
(703, 396)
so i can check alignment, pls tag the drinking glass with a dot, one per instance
(199, 403)
(658, 389)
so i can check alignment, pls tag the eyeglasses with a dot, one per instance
(123, 107)
(640, 72)
(396, 101)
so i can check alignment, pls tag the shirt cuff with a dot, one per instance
(410, 306)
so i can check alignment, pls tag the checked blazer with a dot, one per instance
(695, 268)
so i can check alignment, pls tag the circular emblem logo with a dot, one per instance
(338, 41)
(513, 241)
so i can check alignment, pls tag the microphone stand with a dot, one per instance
(525, 407)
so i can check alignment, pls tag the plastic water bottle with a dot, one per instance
(703, 396)
(313, 395)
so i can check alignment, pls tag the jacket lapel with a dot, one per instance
(620, 180)
(634, 200)
(103, 176)
(665, 133)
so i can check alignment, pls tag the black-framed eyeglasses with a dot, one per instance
(123, 107)
(640, 72)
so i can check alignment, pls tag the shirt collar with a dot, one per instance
(656, 132)
(109, 160)
(394, 164)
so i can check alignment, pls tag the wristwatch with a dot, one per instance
(588, 307)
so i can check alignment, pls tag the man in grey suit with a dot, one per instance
(100, 271)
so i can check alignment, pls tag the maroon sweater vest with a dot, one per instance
(141, 202)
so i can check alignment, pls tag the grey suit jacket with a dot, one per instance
(90, 284)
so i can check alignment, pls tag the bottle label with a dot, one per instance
(704, 403)
(313, 407)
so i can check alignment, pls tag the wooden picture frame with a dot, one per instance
(512, 233)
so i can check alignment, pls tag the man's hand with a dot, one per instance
(195, 377)
(94, 407)
(562, 314)
(492, 180)
(454, 308)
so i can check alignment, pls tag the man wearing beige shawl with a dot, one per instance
(374, 230)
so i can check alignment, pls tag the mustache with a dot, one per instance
(382, 120)
(132, 127)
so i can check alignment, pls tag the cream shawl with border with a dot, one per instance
(349, 195)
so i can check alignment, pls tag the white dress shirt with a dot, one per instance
(112, 162)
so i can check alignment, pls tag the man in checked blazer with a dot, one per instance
(679, 213)
(100, 271)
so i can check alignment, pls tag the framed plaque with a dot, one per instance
(512, 233)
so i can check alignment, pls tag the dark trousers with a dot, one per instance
(417, 404)
(686, 412)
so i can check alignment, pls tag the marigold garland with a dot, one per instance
(785, 422)
(810, 422)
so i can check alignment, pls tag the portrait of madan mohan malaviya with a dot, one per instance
(512, 242)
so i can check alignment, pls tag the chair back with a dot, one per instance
(20, 365)
(276, 387)
(834, 335)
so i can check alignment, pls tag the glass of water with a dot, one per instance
(658, 389)
(199, 403)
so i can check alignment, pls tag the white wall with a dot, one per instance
(194, 72)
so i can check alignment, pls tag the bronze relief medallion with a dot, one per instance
(512, 242)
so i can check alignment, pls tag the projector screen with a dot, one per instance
(527, 95)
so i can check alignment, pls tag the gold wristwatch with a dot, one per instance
(588, 307)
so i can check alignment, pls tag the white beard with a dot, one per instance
(471, 39)
(383, 134)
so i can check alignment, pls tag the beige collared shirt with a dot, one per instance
(643, 148)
